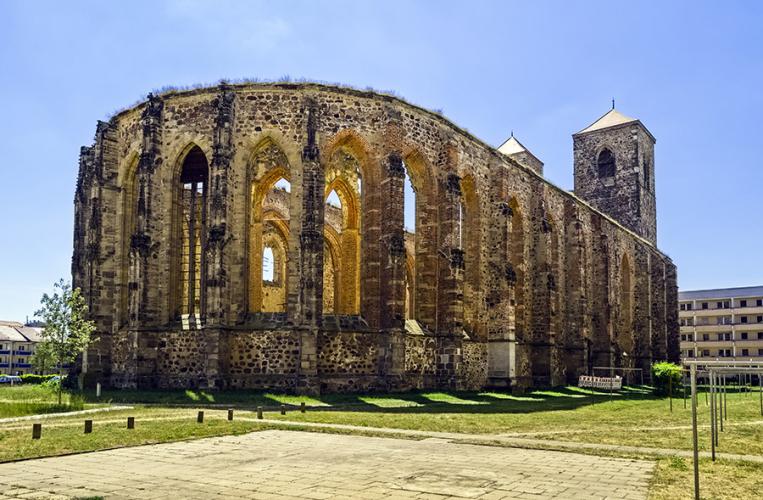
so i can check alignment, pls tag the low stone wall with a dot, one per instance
(472, 371)
(420, 361)
(266, 359)
(180, 358)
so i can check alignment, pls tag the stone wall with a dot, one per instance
(543, 285)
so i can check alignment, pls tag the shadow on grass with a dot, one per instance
(560, 398)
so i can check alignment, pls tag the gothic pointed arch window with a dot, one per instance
(606, 163)
(191, 222)
(269, 229)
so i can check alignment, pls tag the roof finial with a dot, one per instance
(613, 103)
(512, 134)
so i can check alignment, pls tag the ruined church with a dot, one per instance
(253, 236)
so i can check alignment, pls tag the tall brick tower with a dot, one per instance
(614, 171)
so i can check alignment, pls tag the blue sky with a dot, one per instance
(691, 71)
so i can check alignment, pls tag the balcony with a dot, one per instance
(712, 312)
(714, 328)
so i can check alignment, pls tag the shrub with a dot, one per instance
(662, 375)
(31, 378)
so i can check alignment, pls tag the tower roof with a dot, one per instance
(511, 146)
(611, 118)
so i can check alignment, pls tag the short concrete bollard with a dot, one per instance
(230, 414)
(88, 426)
(36, 431)
(302, 407)
(283, 410)
(98, 390)
(200, 417)
(131, 422)
(259, 412)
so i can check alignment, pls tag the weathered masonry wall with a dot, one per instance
(508, 281)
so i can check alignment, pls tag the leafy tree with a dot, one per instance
(67, 330)
(43, 358)
(666, 376)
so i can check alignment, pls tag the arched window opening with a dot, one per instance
(410, 216)
(129, 222)
(275, 238)
(469, 241)
(625, 342)
(282, 185)
(193, 221)
(342, 229)
(409, 204)
(516, 271)
(606, 164)
(268, 266)
(269, 223)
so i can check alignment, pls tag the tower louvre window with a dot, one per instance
(606, 164)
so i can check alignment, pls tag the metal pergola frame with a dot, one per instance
(717, 371)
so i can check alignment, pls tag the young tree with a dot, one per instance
(43, 359)
(67, 329)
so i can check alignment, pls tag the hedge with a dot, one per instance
(31, 378)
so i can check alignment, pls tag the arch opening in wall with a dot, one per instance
(606, 163)
(342, 230)
(269, 227)
(470, 242)
(410, 219)
(130, 195)
(516, 270)
(190, 221)
(625, 341)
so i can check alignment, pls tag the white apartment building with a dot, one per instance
(722, 323)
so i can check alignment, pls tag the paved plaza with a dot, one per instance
(287, 464)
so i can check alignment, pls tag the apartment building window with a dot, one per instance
(759, 302)
(759, 319)
(682, 307)
(690, 353)
(744, 336)
(683, 338)
(705, 336)
(743, 319)
(742, 303)
(706, 352)
(689, 306)
(760, 335)
(704, 305)
(724, 353)
(726, 304)
(745, 352)
(760, 352)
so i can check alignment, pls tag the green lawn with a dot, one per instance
(20, 400)
(634, 417)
